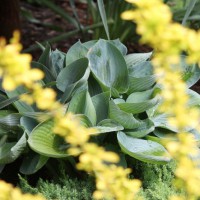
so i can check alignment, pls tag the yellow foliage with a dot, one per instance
(169, 39)
(8, 192)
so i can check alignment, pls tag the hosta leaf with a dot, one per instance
(141, 77)
(139, 107)
(139, 102)
(57, 60)
(32, 163)
(77, 51)
(93, 86)
(165, 133)
(168, 134)
(105, 129)
(194, 98)
(84, 120)
(122, 48)
(4, 129)
(20, 105)
(108, 66)
(136, 58)
(49, 77)
(161, 121)
(140, 84)
(196, 134)
(119, 100)
(144, 150)
(11, 120)
(101, 103)
(39, 116)
(138, 97)
(43, 141)
(81, 103)
(145, 128)
(6, 102)
(141, 69)
(108, 125)
(44, 58)
(72, 73)
(9, 123)
(190, 73)
(125, 119)
(89, 44)
(28, 124)
(12, 150)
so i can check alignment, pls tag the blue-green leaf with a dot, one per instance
(147, 126)
(108, 66)
(72, 73)
(101, 104)
(77, 51)
(125, 119)
(81, 103)
(136, 58)
(144, 150)
(32, 163)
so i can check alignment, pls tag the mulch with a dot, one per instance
(32, 31)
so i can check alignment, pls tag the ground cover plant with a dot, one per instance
(111, 76)
(89, 84)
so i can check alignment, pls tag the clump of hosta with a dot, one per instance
(65, 125)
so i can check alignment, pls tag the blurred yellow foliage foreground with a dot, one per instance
(154, 23)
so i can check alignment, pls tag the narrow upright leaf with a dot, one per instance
(81, 103)
(103, 17)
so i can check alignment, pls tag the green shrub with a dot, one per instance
(157, 180)
(157, 184)
(65, 189)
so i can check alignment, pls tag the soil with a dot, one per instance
(49, 25)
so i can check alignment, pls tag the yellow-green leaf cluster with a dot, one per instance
(169, 39)
(8, 192)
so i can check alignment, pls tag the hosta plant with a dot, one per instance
(106, 88)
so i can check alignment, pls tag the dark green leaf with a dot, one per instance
(28, 124)
(49, 77)
(44, 58)
(9, 152)
(32, 163)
